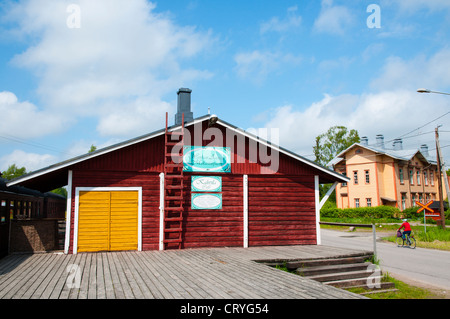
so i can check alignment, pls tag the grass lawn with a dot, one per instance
(403, 291)
(433, 238)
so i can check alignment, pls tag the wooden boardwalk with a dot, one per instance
(213, 273)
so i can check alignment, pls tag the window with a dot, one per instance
(367, 177)
(403, 201)
(411, 177)
(356, 202)
(400, 174)
(369, 202)
(355, 177)
(413, 200)
(425, 178)
(432, 178)
(418, 177)
(344, 184)
(421, 198)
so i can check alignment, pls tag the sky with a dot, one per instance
(97, 72)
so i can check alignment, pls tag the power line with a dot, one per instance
(34, 144)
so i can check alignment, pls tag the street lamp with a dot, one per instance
(439, 163)
(429, 91)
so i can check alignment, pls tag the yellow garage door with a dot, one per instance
(108, 221)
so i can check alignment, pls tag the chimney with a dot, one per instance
(184, 106)
(398, 144)
(380, 141)
(365, 141)
(424, 150)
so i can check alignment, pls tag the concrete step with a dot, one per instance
(381, 285)
(353, 282)
(292, 265)
(378, 291)
(332, 269)
(342, 276)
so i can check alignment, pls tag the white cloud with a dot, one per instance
(393, 109)
(30, 161)
(125, 53)
(333, 19)
(415, 73)
(257, 65)
(26, 120)
(275, 24)
(412, 6)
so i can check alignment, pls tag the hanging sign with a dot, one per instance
(206, 184)
(207, 159)
(206, 201)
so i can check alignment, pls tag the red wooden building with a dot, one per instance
(199, 183)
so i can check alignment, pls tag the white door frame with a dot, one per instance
(106, 189)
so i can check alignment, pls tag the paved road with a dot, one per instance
(423, 266)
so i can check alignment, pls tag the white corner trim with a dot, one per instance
(68, 212)
(161, 211)
(317, 206)
(106, 189)
(245, 191)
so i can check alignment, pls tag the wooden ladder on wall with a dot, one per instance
(173, 187)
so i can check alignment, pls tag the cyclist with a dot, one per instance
(407, 227)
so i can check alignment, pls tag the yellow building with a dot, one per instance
(381, 176)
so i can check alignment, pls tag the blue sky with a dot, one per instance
(300, 66)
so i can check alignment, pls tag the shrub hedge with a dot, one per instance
(361, 212)
(331, 211)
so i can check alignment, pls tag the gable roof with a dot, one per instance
(402, 155)
(64, 165)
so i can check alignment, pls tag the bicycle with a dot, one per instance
(405, 241)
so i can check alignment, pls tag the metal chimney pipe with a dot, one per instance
(184, 106)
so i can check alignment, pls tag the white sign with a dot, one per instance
(206, 201)
(206, 184)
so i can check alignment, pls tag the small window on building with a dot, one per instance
(369, 202)
(418, 177)
(403, 201)
(411, 177)
(367, 177)
(425, 178)
(355, 177)
(356, 202)
(400, 175)
(432, 178)
(344, 184)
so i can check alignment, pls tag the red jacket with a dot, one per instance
(406, 225)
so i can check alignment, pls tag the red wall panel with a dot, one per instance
(215, 228)
(281, 210)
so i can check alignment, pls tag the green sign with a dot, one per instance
(207, 159)
(206, 201)
(206, 184)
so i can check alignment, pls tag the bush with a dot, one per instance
(411, 213)
(361, 212)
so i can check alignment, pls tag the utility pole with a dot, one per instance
(441, 206)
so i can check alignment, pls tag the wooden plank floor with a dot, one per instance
(213, 273)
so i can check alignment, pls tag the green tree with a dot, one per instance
(328, 146)
(93, 148)
(334, 141)
(13, 172)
